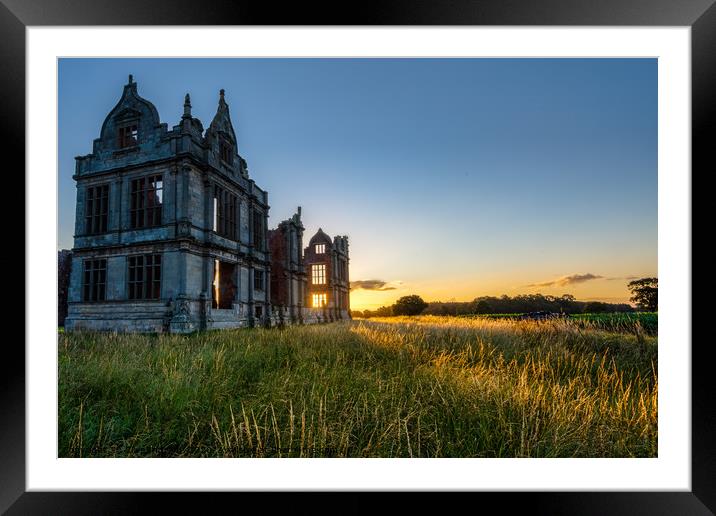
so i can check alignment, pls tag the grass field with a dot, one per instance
(395, 387)
(629, 322)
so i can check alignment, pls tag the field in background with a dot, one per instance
(395, 387)
(629, 322)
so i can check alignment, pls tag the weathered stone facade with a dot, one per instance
(171, 232)
(288, 274)
(299, 293)
(328, 279)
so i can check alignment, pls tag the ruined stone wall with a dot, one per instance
(192, 164)
(64, 268)
(279, 272)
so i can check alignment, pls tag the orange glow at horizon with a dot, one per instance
(467, 290)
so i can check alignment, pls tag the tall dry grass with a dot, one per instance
(397, 387)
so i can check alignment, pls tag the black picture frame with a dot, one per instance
(700, 15)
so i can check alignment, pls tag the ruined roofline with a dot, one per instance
(221, 121)
(136, 120)
(295, 220)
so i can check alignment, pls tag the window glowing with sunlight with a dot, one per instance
(318, 274)
(320, 300)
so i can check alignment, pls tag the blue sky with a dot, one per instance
(453, 178)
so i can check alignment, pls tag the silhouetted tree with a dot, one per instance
(409, 305)
(384, 311)
(482, 307)
(645, 293)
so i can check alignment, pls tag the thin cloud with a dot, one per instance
(571, 279)
(371, 285)
(622, 278)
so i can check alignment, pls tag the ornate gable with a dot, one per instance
(221, 124)
(131, 108)
(221, 141)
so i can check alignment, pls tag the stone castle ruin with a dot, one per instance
(171, 234)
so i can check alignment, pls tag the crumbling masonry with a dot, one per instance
(171, 234)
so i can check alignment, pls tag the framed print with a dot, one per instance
(432, 267)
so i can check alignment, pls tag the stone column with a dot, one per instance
(183, 211)
(116, 209)
(267, 292)
(289, 289)
(252, 246)
(252, 308)
(208, 209)
(182, 270)
(174, 174)
(125, 203)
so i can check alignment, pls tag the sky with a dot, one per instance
(452, 178)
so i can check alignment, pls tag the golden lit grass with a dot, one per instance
(396, 387)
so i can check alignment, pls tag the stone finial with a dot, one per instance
(222, 101)
(131, 79)
(299, 211)
(187, 106)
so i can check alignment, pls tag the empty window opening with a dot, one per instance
(96, 209)
(94, 280)
(318, 274)
(226, 152)
(259, 280)
(224, 286)
(145, 276)
(258, 230)
(146, 201)
(225, 209)
(128, 135)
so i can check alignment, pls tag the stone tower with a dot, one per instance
(328, 286)
(171, 232)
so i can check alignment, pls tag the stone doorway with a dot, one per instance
(223, 290)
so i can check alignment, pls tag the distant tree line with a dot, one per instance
(498, 305)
